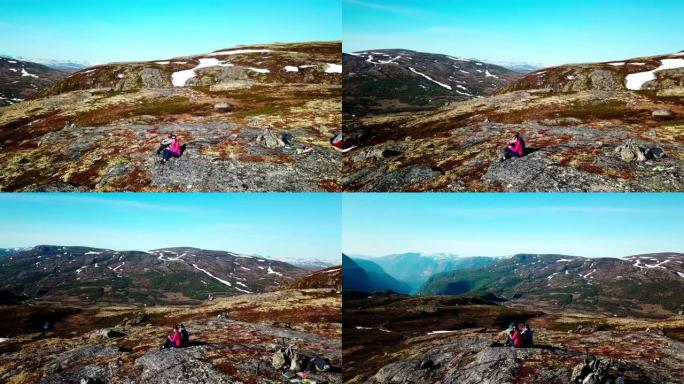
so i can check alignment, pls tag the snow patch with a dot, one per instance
(333, 68)
(429, 78)
(271, 271)
(162, 62)
(119, 266)
(440, 332)
(635, 81)
(260, 70)
(680, 274)
(290, 68)
(487, 74)
(178, 79)
(210, 275)
(24, 73)
(561, 260)
(618, 64)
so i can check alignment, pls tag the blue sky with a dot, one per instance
(536, 31)
(283, 226)
(99, 31)
(482, 224)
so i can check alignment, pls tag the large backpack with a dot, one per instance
(279, 359)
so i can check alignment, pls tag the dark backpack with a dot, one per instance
(288, 138)
(522, 143)
(319, 364)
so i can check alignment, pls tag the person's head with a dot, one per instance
(182, 326)
(172, 136)
(175, 327)
(516, 135)
(527, 325)
(517, 328)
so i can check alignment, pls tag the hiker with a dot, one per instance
(515, 148)
(173, 149)
(527, 336)
(165, 144)
(175, 340)
(506, 335)
(516, 337)
(185, 335)
(338, 143)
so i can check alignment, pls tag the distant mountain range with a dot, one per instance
(416, 268)
(84, 275)
(20, 80)
(649, 283)
(391, 80)
(364, 275)
(61, 65)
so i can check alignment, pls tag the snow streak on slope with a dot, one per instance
(210, 275)
(429, 78)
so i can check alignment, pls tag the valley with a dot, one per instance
(621, 317)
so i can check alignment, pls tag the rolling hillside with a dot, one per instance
(82, 275)
(642, 285)
(395, 80)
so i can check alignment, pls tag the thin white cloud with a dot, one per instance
(52, 199)
(388, 8)
(449, 30)
(502, 211)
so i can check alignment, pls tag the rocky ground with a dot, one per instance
(571, 140)
(122, 112)
(569, 348)
(121, 344)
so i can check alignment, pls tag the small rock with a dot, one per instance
(389, 152)
(223, 107)
(663, 114)
(111, 333)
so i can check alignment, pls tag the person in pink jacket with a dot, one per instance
(517, 338)
(172, 150)
(515, 148)
(175, 340)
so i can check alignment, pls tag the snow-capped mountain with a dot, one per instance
(20, 80)
(60, 65)
(650, 282)
(399, 79)
(178, 275)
